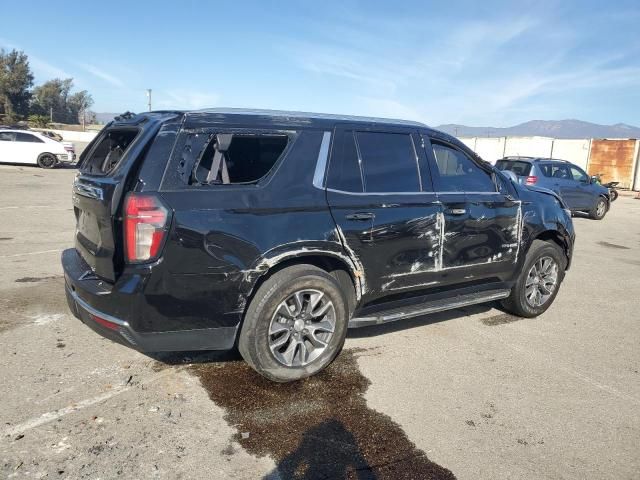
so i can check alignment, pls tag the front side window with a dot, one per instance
(579, 175)
(27, 137)
(7, 136)
(388, 162)
(458, 173)
(344, 168)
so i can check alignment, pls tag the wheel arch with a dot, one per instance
(333, 263)
(556, 237)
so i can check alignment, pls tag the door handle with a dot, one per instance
(360, 216)
(456, 211)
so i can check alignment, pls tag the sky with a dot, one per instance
(474, 63)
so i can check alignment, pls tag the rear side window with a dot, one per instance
(27, 137)
(518, 167)
(458, 173)
(555, 171)
(238, 158)
(389, 162)
(106, 155)
(344, 169)
(7, 136)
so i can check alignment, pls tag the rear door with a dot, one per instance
(563, 184)
(106, 174)
(28, 147)
(385, 210)
(584, 195)
(481, 225)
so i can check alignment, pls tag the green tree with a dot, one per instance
(16, 80)
(52, 97)
(79, 104)
(39, 121)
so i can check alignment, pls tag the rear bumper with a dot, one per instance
(92, 306)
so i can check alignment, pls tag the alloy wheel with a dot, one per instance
(301, 327)
(542, 281)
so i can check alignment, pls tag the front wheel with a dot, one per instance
(46, 160)
(538, 282)
(599, 210)
(295, 325)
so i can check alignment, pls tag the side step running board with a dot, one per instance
(429, 307)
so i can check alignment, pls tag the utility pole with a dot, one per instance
(51, 114)
(149, 97)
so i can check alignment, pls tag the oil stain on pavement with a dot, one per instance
(319, 427)
(501, 319)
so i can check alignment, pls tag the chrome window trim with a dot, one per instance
(379, 193)
(411, 193)
(321, 164)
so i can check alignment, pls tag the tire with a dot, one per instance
(613, 195)
(46, 160)
(256, 344)
(517, 303)
(599, 210)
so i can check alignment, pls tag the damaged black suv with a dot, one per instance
(276, 231)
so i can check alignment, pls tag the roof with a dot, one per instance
(532, 159)
(308, 116)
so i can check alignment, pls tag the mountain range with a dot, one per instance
(547, 128)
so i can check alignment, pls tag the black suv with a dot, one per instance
(276, 231)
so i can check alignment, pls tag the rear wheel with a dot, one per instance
(599, 210)
(295, 325)
(539, 281)
(46, 160)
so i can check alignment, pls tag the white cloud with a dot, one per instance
(97, 72)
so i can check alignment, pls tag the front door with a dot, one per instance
(387, 216)
(482, 226)
(583, 194)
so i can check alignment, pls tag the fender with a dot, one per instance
(300, 249)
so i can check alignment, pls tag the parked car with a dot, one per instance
(578, 190)
(20, 146)
(275, 231)
(52, 135)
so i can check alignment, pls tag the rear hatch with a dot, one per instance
(107, 169)
(520, 168)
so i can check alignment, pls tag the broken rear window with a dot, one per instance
(109, 151)
(238, 158)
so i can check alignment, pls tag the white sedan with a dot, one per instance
(26, 146)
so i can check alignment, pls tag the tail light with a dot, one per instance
(144, 227)
(531, 180)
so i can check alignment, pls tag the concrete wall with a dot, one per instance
(491, 149)
(575, 151)
(530, 146)
(72, 136)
